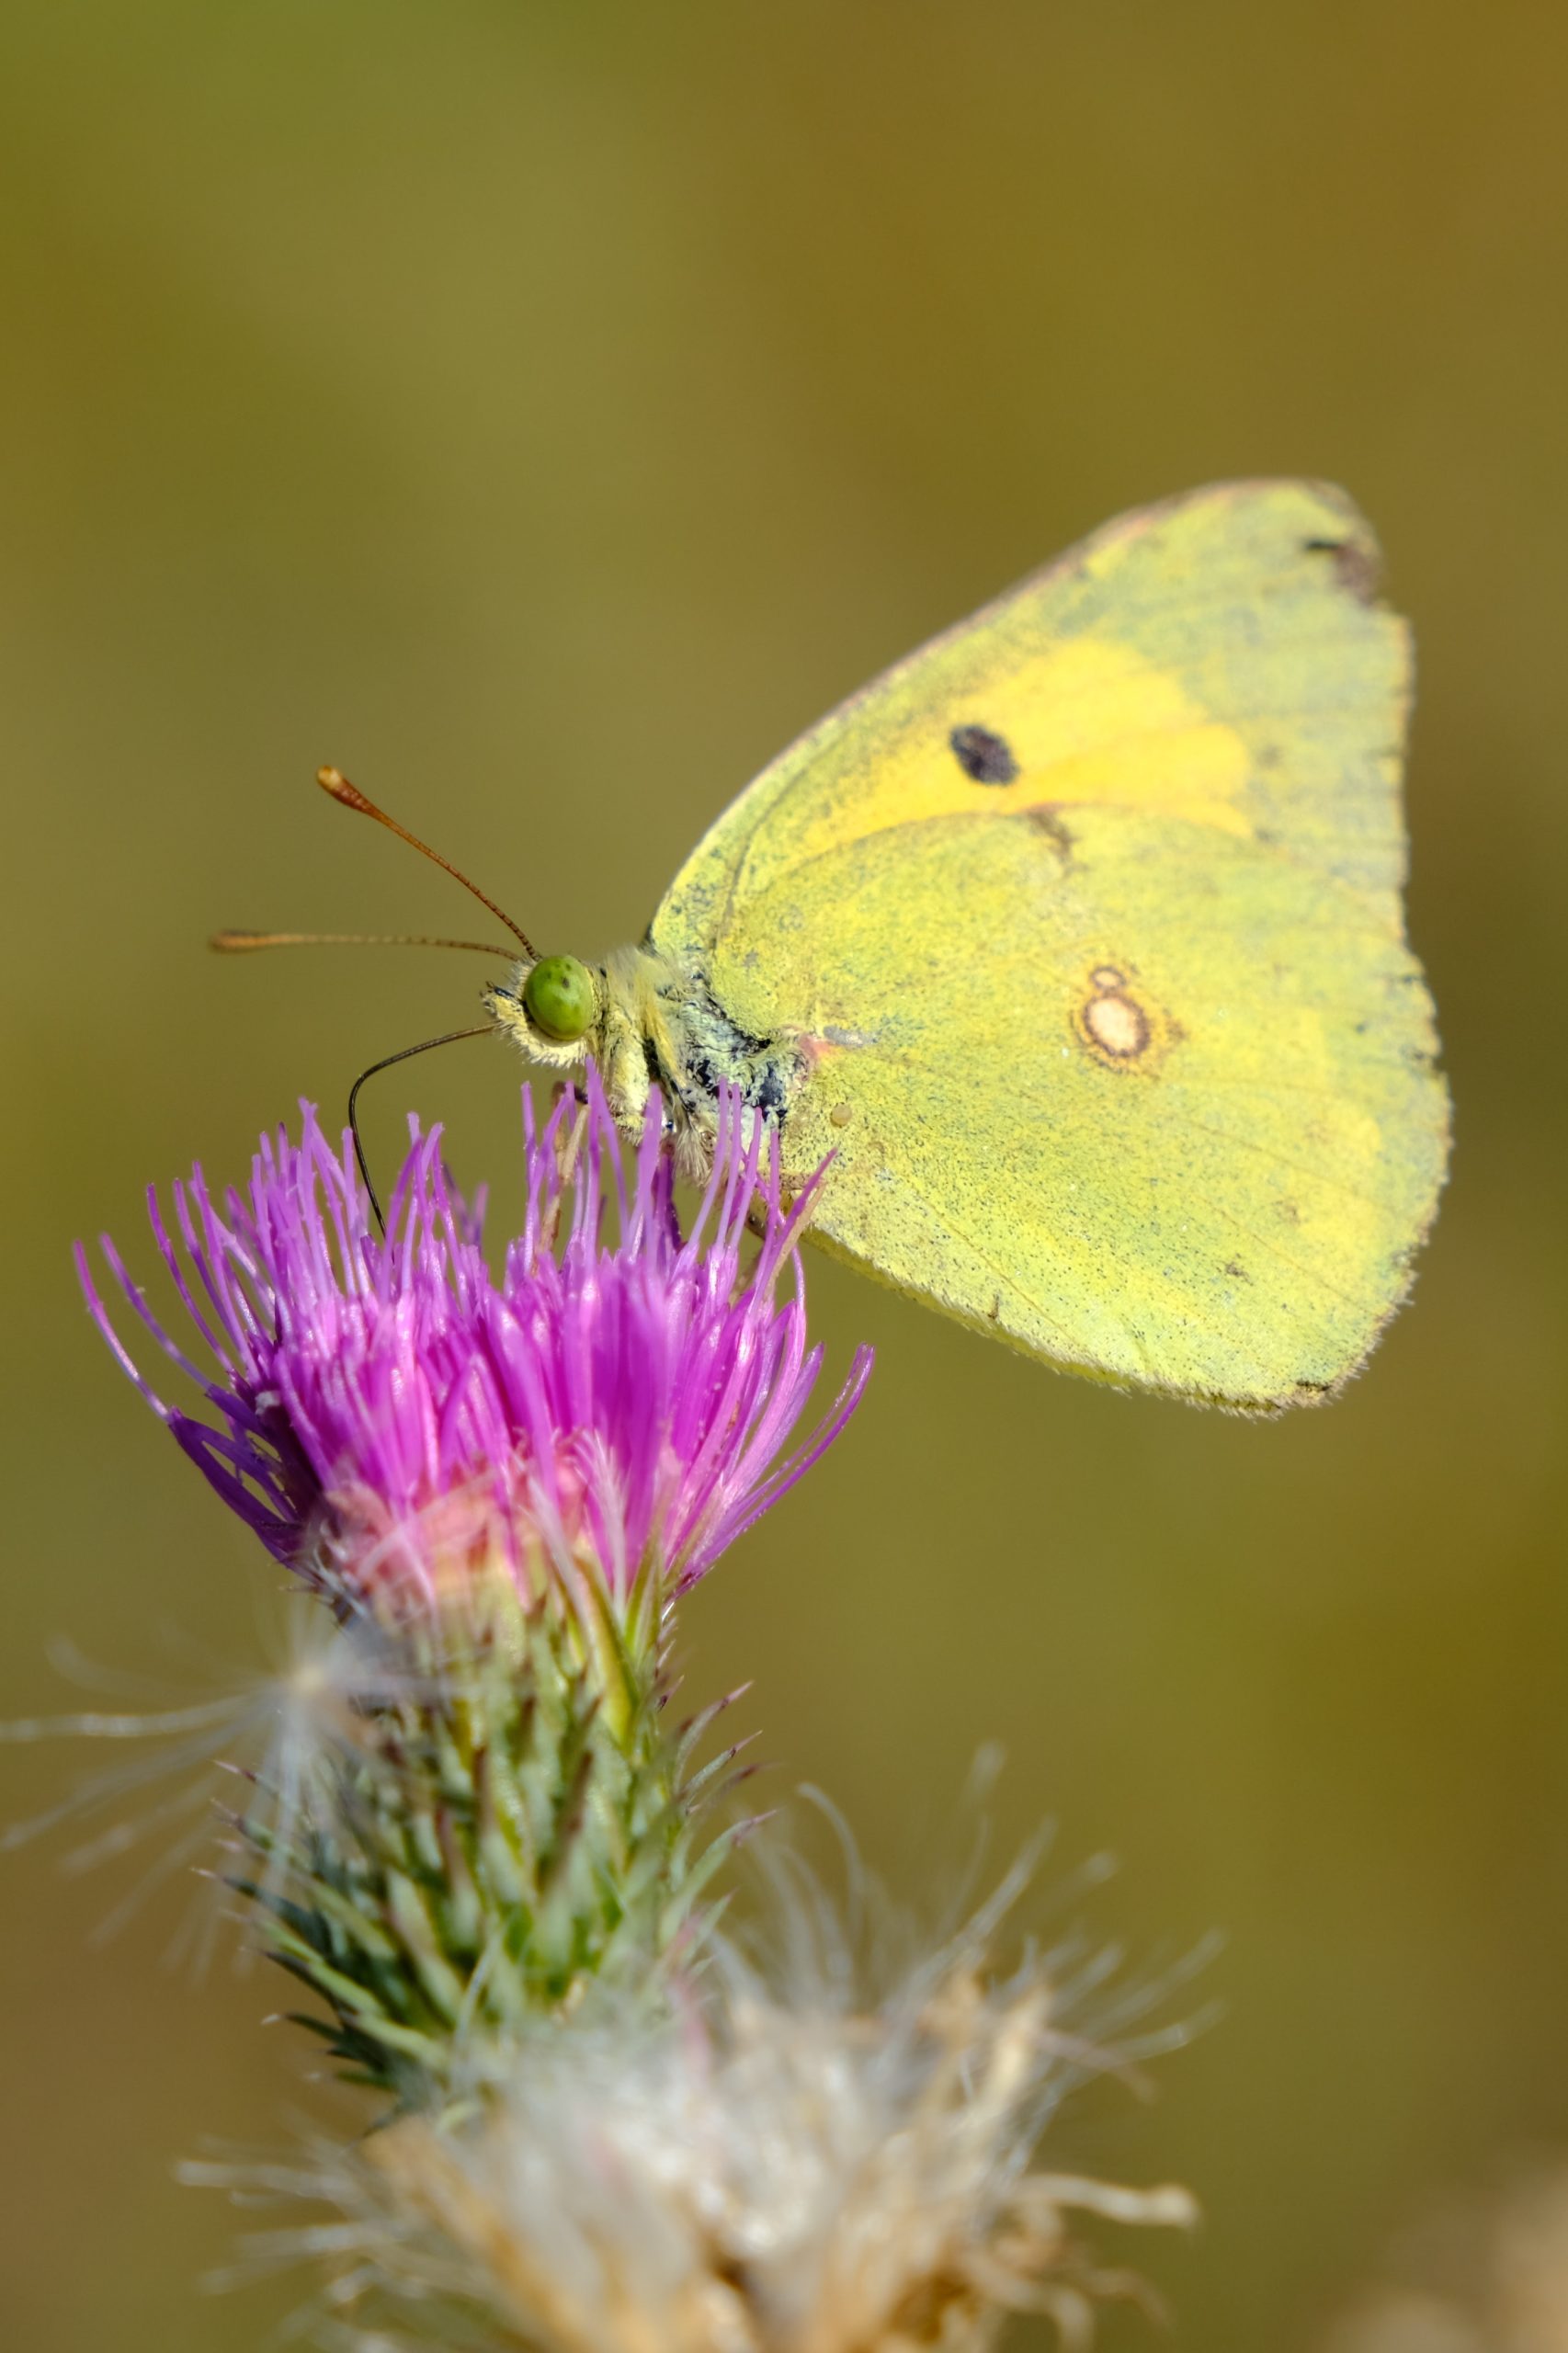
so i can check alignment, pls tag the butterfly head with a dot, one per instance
(561, 999)
(563, 1013)
(552, 1008)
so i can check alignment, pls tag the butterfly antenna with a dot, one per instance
(449, 1038)
(241, 943)
(334, 781)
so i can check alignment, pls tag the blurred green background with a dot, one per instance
(544, 412)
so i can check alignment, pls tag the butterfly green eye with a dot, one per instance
(559, 997)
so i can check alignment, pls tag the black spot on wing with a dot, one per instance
(1356, 564)
(984, 756)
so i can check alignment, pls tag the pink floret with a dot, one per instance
(386, 1412)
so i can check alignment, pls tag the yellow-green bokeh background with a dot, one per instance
(544, 411)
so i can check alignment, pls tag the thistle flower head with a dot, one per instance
(389, 1415)
(499, 1481)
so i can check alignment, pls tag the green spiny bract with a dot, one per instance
(507, 1821)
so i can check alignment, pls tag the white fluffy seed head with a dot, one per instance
(754, 2171)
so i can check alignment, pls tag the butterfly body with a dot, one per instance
(1077, 940)
(657, 1025)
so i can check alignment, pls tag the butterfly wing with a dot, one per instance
(1086, 921)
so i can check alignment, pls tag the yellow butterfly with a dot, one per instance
(1078, 939)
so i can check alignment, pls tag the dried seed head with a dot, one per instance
(744, 2168)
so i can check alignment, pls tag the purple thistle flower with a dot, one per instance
(391, 1418)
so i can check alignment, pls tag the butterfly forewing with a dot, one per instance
(1086, 920)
